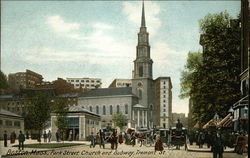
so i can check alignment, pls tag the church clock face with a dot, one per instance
(139, 84)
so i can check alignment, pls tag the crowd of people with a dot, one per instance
(21, 139)
(128, 138)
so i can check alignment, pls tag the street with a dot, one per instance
(122, 151)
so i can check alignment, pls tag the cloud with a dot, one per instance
(152, 9)
(59, 25)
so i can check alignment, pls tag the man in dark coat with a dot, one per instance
(218, 145)
(21, 139)
(49, 136)
(5, 137)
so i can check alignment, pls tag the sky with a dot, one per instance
(98, 39)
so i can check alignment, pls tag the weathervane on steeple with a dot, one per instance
(143, 22)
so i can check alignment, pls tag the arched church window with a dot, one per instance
(126, 108)
(104, 110)
(140, 71)
(97, 109)
(90, 108)
(110, 110)
(117, 109)
(140, 94)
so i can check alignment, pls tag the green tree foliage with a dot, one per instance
(119, 120)
(38, 112)
(213, 84)
(60, 107)
(3, 81)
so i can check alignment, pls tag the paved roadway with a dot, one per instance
(84, 151)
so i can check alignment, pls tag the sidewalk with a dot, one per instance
(4, 150)
(195, 148)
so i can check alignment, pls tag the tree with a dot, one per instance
(213, 84)
(38, 112)
(119, 120)
(3, 81)
(60, 107)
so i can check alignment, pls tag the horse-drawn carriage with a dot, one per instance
(174, 137)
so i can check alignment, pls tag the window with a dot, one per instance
(77, 85)
(164, 101)
(8, 123)
(82, 80)
(164, 96)
(164, 110)
(164, 87)
(77, 80)
(164, 82)
(97, 81)
(141, 71)
(17, 124)
(126, 108)
(1, 122)
(111, 110)
(104, 110)
(72, 80)
(87, 80)
(164, 105)
(90, 108)
(117, 109)
(97, 109)
(140, 93)
(92, 81)
(164, 91)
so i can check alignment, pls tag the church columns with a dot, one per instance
(133, 114)
(146, 118)
(143, 119)
(138, 118)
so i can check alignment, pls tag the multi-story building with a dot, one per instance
(121, 83)
(88, 83)
(241, 107)
(28, 79)
(163, 101)
(60, 86)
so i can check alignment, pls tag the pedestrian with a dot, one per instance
(97, 139)
(49, 136)
(114, 139)
(57, 136)
(158, 144)
(21, 139)
(5, 137)
(120, 138)
(102, 138)
(218, 145)
(92, 140)
(45, 137)
(12, 138)
(241, 143)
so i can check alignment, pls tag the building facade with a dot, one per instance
(121, 83)
(163, 102)
(28, 79)
(81, 123)
(10, 122)
(88, 83)
(109, 101)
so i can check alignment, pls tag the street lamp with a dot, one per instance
(231, 110)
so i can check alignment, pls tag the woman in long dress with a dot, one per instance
(158, 144)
